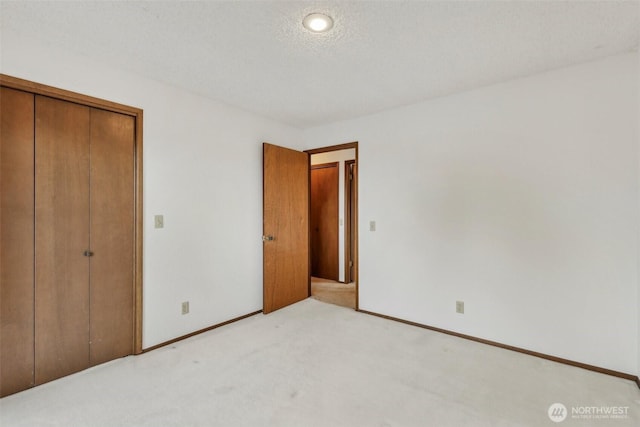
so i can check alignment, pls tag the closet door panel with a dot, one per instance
(16, 240)
(112, 231)
(62, 132)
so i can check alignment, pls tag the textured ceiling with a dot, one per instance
(379, 55)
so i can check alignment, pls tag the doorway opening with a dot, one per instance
(333, 226)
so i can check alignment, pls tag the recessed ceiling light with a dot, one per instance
(318, 22)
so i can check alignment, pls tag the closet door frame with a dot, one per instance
(136, 113)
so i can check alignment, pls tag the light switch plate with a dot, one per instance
(159, 221)
(372, 226)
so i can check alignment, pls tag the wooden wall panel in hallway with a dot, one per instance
(112, 235)
(16, 240)
(324, 221)
(62, 131)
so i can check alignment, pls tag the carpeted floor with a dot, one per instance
(316, 364)
(343, 294)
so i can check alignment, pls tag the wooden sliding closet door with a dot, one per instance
(112, 235)
(16, 241)
(62, 131)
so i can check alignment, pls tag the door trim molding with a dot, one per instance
(325, 165)
(200, 331)
(136, 113)
(556, 359)
(337, 147)
(349, 214)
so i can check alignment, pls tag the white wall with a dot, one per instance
(520, 199)
(202, 171)
(638, 304)
(339, 156)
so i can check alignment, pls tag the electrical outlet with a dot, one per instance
(185, 307)
(460, 307)
(158, 221)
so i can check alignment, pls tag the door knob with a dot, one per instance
(268, 238)
(88, 253)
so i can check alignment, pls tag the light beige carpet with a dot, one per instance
(314, 364)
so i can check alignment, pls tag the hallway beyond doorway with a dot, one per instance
(332, 292)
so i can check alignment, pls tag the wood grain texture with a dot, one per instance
(139, 225)
(355, 207)
(112, 236)
(286, 217)
(324, 221)
(336, 147)
(137, 114)
(65, 95)
(16, 241)
(350, 203)
(62, 132)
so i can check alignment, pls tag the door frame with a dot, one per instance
(338, 147)
(136, 113)
(350, 181)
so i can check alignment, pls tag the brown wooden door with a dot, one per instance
(324, 221)
(286, 222)
(112, 235)
(16, 241)
(62, 131)
(70, 234)
(84, 237)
